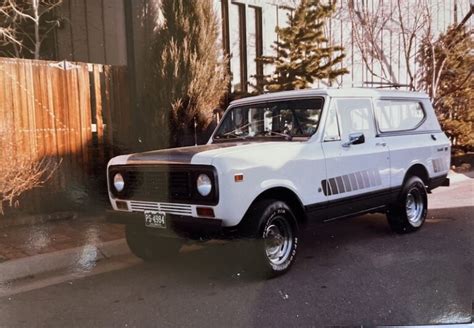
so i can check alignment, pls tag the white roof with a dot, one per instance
(332, 92)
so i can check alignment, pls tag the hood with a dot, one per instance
(206, 154)
(183, 155)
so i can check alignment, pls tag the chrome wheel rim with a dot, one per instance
(278, 238)
(414, 206)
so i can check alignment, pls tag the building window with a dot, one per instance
(255, 47)
(238, 47)
(225, 26)
(269, 35)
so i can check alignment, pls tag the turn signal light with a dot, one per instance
(121, 205)
(205, 211)
(239, 177)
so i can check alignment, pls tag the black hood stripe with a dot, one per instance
(182, 155)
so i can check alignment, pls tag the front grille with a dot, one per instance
(163, 183)
(155, 185)
(177, 209)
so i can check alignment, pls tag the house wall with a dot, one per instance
(93, 31)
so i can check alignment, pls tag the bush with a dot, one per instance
(18, 171)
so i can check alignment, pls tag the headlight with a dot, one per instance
(204, 184)
(119, 182)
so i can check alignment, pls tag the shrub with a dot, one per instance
(19, 172)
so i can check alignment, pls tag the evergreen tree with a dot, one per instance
(187, 77)
(447, 78)
(302, 51)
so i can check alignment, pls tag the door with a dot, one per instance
(357, 162)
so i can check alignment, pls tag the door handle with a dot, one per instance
(383, 144)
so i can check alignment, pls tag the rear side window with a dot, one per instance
(398, 115)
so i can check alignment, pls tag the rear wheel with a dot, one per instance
(271, 230)
(148, 247)
(409, 213)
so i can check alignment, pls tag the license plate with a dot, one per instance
(155, 219)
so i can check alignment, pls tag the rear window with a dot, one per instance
(398, 115)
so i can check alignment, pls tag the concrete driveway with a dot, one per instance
(352, 272)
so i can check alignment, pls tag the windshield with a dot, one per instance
(282, 119)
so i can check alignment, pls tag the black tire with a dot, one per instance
(409, 213)
(269, 256)
(148, 247)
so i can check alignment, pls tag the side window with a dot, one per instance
(355, 116)
(394, 115)
(331, 131)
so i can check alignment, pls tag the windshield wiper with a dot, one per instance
(229, 135)
(247, 125)
(222, 136)
(287, 136)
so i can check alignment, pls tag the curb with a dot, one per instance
(77, 259)
(456, 177)
(35, 219)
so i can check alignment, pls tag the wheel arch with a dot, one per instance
(283, 194)
(418, 170)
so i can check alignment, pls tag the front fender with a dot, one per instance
(239, 196)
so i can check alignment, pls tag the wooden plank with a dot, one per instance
(24, 109)
(73, 109)
(45, 112)
(108, 114)
(4, 105)
(3, 111)
(55, 124)
(117, 119)
(99, 112)
(125, 108)
(31, 108)
(84, 111)
(19, 144)
(87, 123)
(9, 107)
(38, 113)
(63, 131)
(77, 113)
(68, 155)
(16, 109)
(47, 119)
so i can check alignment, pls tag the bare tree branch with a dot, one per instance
(388, 17)
(16, 14)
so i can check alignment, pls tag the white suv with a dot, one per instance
(278, 160)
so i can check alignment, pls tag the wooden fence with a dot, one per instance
(73, 113)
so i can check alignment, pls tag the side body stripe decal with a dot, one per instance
(351, 182)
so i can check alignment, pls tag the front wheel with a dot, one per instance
(148, 247)
(409, 213)
(272, 231)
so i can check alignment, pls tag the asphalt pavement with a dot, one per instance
(351, 272)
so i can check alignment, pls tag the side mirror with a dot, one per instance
(355, 139)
